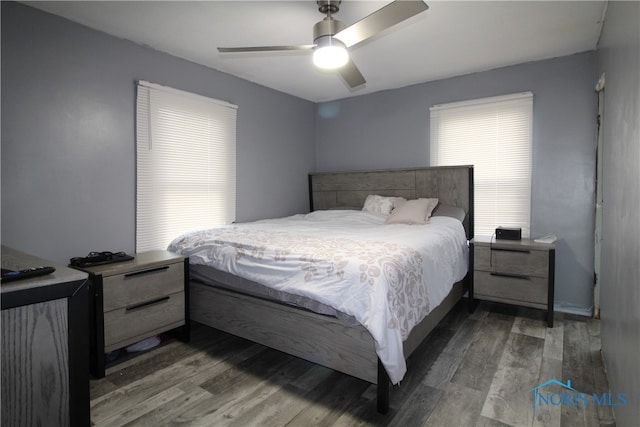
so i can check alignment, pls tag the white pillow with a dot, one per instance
(417, 211)
(378, 204)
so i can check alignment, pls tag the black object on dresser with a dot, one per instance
(519, 272)
(136, 299)
(98, 258)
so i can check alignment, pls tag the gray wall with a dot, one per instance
(68, 136)
(619, 58)
(391, 129)
(68, 158)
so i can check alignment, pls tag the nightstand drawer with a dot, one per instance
(127, 324)
(130, 288)
(512, 261)
(515, 288)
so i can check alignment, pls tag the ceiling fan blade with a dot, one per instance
(264, 48)
(386, 17)
(351, 74)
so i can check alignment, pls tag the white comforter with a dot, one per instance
(388, 277)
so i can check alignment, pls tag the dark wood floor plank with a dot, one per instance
(143, 409)
(363, 412)
(232, 387)
(215, 364)
(458, 314)
(220, 345)
(126, 397)
(577, 365)
(419, 364)
(532, 327)
(487, 422)
(310, 379)
(553, 342)
(522, 351)
(459, 406)
(480, 363)
(463, 337)
(508, 399)
(254, 392)
(330, 398)
(605, 413)
(442, 371)
(540, 316)
(247, 373)
(580, 415)
(545, 415)
(169, 409)
(276, 410)
(484, 366)
(499, 311)
(100, 387)
(446, 365)
(284, 404)
(418, 407)
(135, 392)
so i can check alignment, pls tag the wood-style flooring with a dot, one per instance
(473, 370)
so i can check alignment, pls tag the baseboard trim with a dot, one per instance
(580, 311)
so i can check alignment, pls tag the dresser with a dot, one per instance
(519, 272)
(134, 300)
(45, 350)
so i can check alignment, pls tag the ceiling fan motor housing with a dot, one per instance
(327, 27)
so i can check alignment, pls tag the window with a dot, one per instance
(186, 164)
(494, 135)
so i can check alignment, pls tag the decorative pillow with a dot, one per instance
(417, 211)
(378, 204)
(397, 201)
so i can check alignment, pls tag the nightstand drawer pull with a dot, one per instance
(511, 275)
(148, 303)
(143, 272)
(524, 251)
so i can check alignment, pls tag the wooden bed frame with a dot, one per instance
(324, 339)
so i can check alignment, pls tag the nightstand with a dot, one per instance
(134, 300)
(519, 272)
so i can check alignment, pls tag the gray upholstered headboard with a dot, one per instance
(452, 185)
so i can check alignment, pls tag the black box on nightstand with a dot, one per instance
(506, 233)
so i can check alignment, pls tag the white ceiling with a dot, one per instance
(451, 38)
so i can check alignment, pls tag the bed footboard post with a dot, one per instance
(383, 389)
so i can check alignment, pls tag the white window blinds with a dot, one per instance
(186, 164)
(494, 135)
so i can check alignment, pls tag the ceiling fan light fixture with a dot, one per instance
(330, 53)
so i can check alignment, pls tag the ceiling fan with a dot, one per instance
(331, 38)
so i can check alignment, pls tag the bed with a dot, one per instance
(300, 314)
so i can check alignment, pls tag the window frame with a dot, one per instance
(192, 139)
(488, 217)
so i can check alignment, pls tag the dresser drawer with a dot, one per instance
(128, 324)
(512, 261)
(523, 289)
(130, 288)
